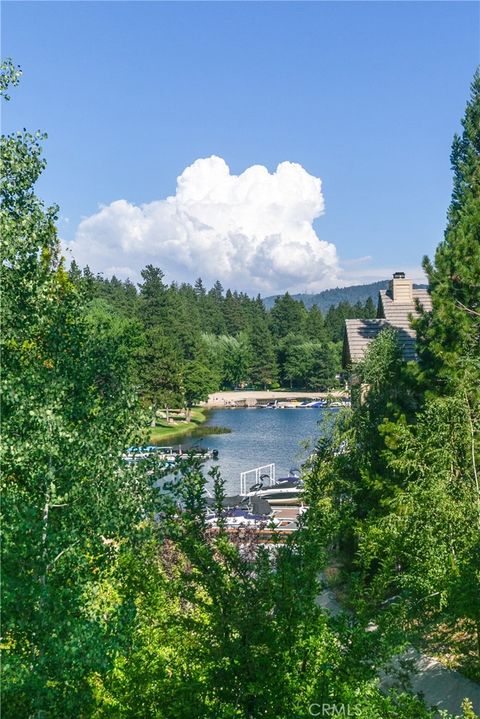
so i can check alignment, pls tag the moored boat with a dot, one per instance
(285, 490)
(168, 455)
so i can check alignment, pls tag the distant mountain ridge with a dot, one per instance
(324, 300)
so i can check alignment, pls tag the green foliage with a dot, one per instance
(229, 332)
(226, 628)
(287, 317)
(123, 602)
(198, 382)
(337, 314)
(324, 366)
(159, 371)
(451, 332)
(68, 502)
(263, 365)
(308, 364)
(9, 76)
(369, 310)
(315, 326)
(399, 473)
(153, 297)
(404, 498)
(229, 357)
(429, 539)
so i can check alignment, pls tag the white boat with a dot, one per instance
(234, 518)
(169, 455)
(285, 490)
(256, 514)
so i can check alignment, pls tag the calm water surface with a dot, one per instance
(258, 437)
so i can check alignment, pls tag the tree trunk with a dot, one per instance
(153, 423)
(39, 658)
(46, 510)
(474, 464)
(188, 414)
(477, 627)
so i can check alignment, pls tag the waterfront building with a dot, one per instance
(396, 307)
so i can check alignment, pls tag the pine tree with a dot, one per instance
(199, 288)
(263, 369)
(315, 326)
(323, 367)
(217, 291)
(198, 381)
(287, 316)
(359, 309)
(182, 324)
(369, 311)
(293, 358)
(449, 336)
(153, 297)
(234, 313)
(212, 310)
(160, 372)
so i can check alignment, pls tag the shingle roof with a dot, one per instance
(397, 313)
(359, 333)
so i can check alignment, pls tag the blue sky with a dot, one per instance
(365, 96)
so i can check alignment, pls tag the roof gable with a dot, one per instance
(398, 313)
(359, 333)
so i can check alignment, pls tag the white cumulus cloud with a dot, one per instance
(252, 231)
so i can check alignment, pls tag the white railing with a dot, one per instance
(252, 476)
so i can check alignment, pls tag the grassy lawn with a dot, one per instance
(164, 432)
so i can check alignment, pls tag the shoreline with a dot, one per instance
(232, 398)
(164, 433)
(250, 397)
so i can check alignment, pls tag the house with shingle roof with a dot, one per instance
(395, 308)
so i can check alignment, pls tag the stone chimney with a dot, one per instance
(401, 288)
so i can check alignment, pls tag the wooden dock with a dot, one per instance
(265, 534)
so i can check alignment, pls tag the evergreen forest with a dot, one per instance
(186, 341)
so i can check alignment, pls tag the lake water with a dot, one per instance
(285, 437)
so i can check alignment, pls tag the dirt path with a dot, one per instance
(440, 687)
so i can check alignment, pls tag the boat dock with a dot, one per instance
(258, 398)
(169, 455)
(285, 522)
(265, 508)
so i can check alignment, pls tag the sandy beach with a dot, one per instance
(229, 399)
